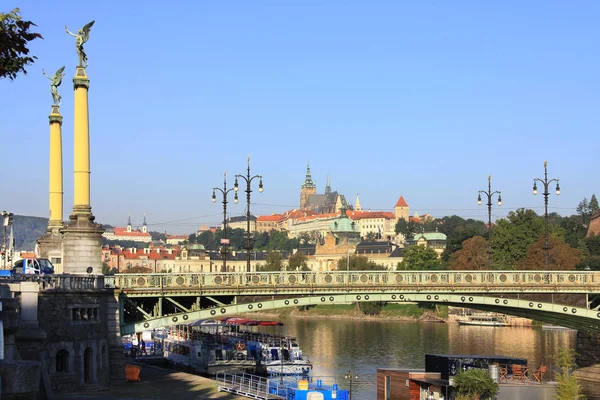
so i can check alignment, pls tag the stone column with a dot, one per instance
(82, 238)
(116, 359)
(51, 243)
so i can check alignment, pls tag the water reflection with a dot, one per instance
(338, 345)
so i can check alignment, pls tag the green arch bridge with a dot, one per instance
(148, 301)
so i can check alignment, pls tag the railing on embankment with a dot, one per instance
(444, 281)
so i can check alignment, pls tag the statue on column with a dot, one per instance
(55, 81)
(81, 37)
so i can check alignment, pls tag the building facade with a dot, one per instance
(129, 233)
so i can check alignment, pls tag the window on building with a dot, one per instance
(62, 361)
(388, 391)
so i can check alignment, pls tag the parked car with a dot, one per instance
(29, 266)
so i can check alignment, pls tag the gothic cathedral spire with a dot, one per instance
(308, 182)
(328, 186)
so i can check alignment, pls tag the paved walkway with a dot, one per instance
(159, 383)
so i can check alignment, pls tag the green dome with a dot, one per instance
(195, 246)
(343, 224)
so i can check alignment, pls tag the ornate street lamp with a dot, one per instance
(489, 195)
(546, 193)
(224, 241)
(248, 179)
(351, 376)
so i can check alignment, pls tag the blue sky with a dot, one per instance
(423, 99)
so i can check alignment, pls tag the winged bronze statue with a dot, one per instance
(55, 81)
(81, 37)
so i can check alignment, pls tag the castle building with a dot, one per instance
(328, 202)
(401, 209)
(129, 233)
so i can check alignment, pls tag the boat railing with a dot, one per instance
(250, 384)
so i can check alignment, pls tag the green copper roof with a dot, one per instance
(430, 236)
(308, 182)
(343, 224)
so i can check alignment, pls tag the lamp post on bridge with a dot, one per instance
(248, 179)
(224, 241)
(489, 194)
(546, 193)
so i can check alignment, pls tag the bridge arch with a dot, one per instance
(573, 317)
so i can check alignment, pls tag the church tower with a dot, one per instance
(145, 226)
(401, 209)
(357, 207)
(129, 224)
(308, 188)
(328, 186)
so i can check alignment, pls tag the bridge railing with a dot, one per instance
(64, 281)
(291, 279)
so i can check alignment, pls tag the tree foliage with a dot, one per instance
(513, 235)
(273, 262)
(561, 256)
(475, 384)
(357, 262)
(419, 258)
(297, 262)
(568, 388)
(457, 230)
(406, 228)
(472, 256)
(15, 35)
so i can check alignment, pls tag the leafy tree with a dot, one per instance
(106, 270)
(273, 262)
(297, 262)
(371, 236)
(592, 244)
(358, 263)
(513, 235)
(562, 257)
(568, 388)
(159, 236)
(593, 205)
(475, 384)
(457, 230)
(406, 228)
(419, 258)
(15, 36)
(472, 256)
(574, 230)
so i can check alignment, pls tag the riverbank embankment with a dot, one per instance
(158, 383)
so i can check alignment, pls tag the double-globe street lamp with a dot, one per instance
(351, 376)
(248, 178)
(546, 193)
(489, 195)
(224, 241)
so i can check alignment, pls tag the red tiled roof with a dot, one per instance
(401, 202)
(123, 232)
(370, 214)
(274, 217)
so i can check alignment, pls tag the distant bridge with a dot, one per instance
(149, 301)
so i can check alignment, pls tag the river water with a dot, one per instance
(336, 346)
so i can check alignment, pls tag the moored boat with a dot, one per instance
(230, 345)
(484, 320)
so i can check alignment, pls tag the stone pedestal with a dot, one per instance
(82, 245)
(50, 247)
(20, 379)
